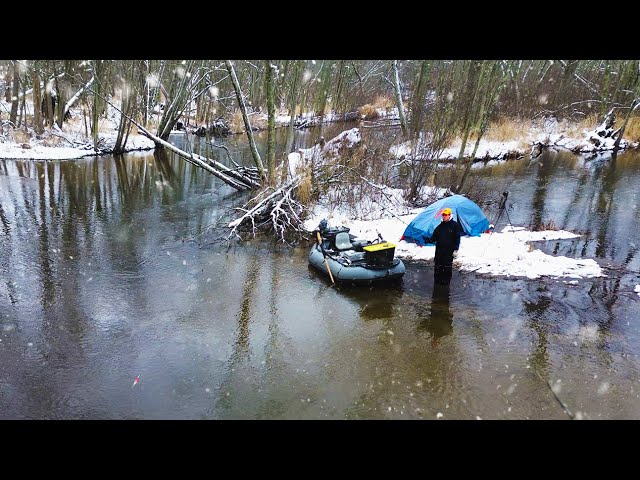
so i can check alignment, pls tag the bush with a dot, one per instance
(368, 112)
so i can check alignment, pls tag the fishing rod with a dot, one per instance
(324, 254)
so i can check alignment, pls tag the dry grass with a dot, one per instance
(53, 141)
(368, 112)
(385, 102)
(304, 190)
(237, 124)
(507, 129)
(632, 131)
(576, 130)
(259, 121)
(256, 120)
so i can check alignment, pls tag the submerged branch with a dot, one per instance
(565, 409)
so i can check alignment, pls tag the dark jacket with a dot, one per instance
(446, 236)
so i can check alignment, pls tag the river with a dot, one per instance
(103, 279)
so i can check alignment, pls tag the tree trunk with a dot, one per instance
(15, 88)
(7, 91)
(271, 124)
(471, 90)
(418, 104)
(494, 86)
(398, 95)
(323, 92)
(254, 150)
(37, 100)
(633, 106)
(62, 92)
(48, 100)
(293, 101)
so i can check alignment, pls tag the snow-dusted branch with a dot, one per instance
(279, 207)
(75, 97)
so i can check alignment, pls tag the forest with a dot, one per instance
(433, 104)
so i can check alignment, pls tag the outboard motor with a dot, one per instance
(323, 226)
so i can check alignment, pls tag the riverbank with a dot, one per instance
(503, 140)
(510, 139)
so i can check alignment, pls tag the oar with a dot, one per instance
(325, 257)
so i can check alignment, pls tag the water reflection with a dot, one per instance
(377, 302)
(100, 282)
(440, 320)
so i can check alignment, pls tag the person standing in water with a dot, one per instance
(446, 236)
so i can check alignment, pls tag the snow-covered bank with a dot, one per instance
(637, 290)
(550, 134)
(36, 149)
(506, 253)
(70, 142)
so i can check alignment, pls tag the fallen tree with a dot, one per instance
(281, 210)
(240, 178)
(278, 210)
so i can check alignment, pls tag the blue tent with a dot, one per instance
(467, 213)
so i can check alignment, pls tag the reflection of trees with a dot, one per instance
(6, 250)
(164, 167)
(241, 348)
(241, 345)
(46, 277)
(5, 221)
(537, 312)
(608, 290)
(605, 205)
(579, 210)
(543, 174)
(578, 195)
(274, 368)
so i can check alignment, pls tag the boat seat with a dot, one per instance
(343, 242)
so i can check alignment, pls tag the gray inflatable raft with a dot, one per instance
(356, 263)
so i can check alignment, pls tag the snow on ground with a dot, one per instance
(36, 151)
(39, 152)
(68, 143)
(637, 290)
(486, 149)
(506, 253)
(548, 134)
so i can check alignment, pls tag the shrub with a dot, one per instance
(368, 112)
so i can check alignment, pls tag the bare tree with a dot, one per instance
(15, 88)
(37, 98)
(270, 73)
(247, 125)
(398, 94)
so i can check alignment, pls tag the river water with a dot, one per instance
(103, 279)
